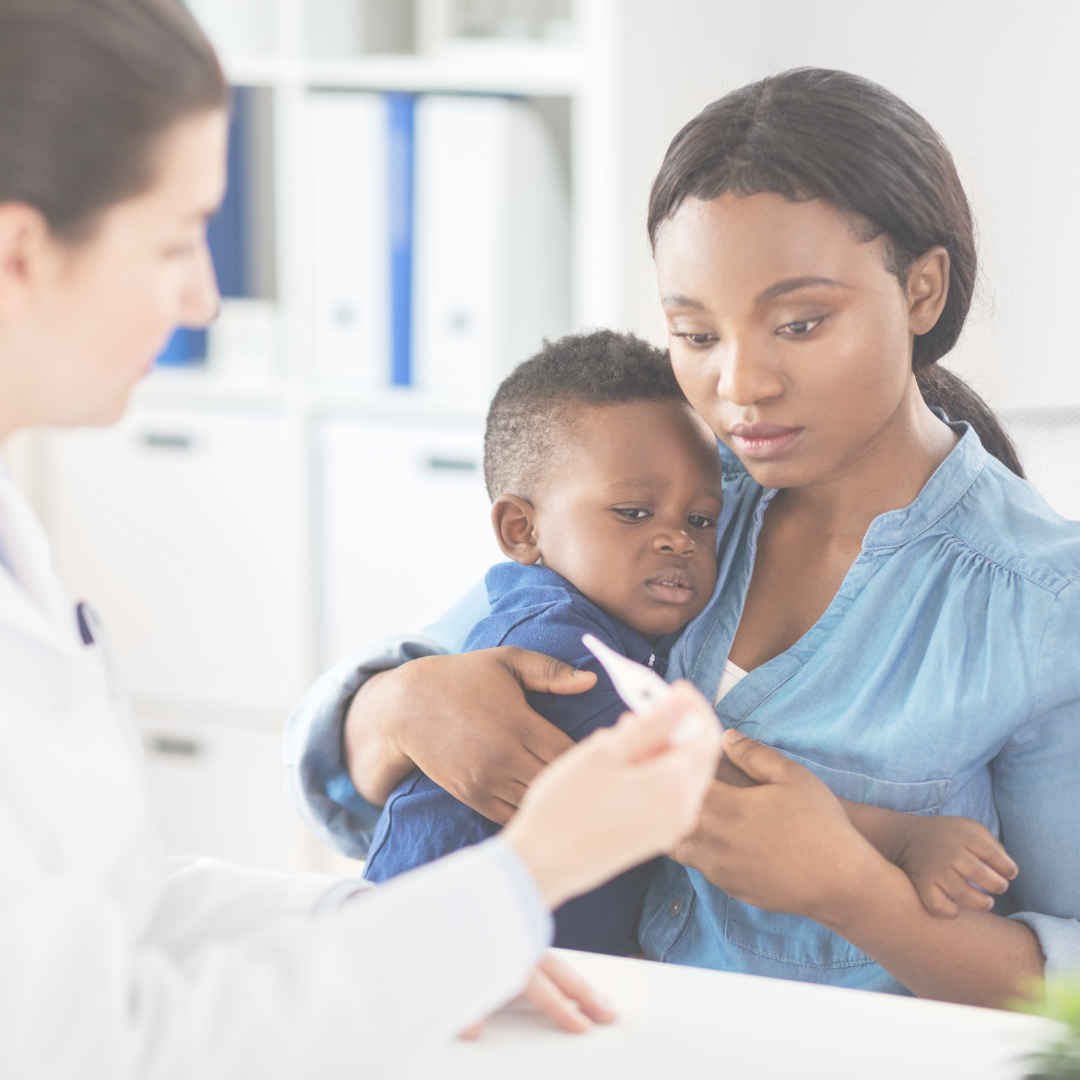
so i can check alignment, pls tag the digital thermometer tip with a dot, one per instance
(640, 688)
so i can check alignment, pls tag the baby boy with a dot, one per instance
(606, 490)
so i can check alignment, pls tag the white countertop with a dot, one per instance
(689, 1023)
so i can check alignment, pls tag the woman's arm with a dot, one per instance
(1037, 795)
(788, 846)
(317, 780)
(363, 714)
(313, 752)
(976, 959)
(464, 721)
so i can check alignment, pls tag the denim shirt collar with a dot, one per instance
(945, 488)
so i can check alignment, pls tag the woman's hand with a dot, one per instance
(784, 844)
(787, 845)
(463, 720)
(563, 996)
(619, 797)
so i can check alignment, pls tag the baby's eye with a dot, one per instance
(800, 328)
(700, 521)
(632, 513)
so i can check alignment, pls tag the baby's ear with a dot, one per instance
(513, 519)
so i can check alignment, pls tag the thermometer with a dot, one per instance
(640, 688)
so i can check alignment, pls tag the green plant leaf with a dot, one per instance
(1061, 1002)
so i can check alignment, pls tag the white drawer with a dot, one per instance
(187, 530)
(404, 528)
(216, 790)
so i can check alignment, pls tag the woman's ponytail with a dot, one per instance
(943, 390)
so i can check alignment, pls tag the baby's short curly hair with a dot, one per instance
(531, 408)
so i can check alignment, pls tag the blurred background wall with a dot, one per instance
(419, 192)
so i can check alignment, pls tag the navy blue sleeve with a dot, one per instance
(604, 920)
(556, 630)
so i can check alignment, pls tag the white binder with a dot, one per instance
(348, 243)
(492, 237)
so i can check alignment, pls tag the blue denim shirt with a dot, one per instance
(534, 608)
(943, 678)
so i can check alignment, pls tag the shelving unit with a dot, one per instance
(581, 73)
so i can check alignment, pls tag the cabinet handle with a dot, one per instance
(164, 440)
(446, 464)
(175, 746)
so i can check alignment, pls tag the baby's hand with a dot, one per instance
(946, 857)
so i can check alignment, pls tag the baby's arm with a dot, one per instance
(945, 857)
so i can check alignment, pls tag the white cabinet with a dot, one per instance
(186, 529)
(404, 526)
(216, 790)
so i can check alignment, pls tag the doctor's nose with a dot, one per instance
(201, 301)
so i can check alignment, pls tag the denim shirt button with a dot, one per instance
(675, 908)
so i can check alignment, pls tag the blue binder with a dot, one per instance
(185, 348)
(401, 120)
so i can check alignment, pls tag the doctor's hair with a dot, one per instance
(535, 404)
(812, 133)
(87, 88)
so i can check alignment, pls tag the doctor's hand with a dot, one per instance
(618, 798)
(463, 720)
(563, 996)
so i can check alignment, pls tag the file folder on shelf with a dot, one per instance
(349, 238)
(401, 134)
(492, 237)
(439, 236)
(186, 347)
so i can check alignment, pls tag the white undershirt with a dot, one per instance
(730, 676)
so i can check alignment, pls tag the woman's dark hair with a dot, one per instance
(86, 88)
(810, 133)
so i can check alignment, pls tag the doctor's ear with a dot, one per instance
(513, 519)
(26, 248)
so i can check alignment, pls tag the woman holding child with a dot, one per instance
(893, 615)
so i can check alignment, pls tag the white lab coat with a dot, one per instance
(117, 963)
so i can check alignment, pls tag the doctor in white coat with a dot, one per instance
(115, 962)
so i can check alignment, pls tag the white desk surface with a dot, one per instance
(679, 1021)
